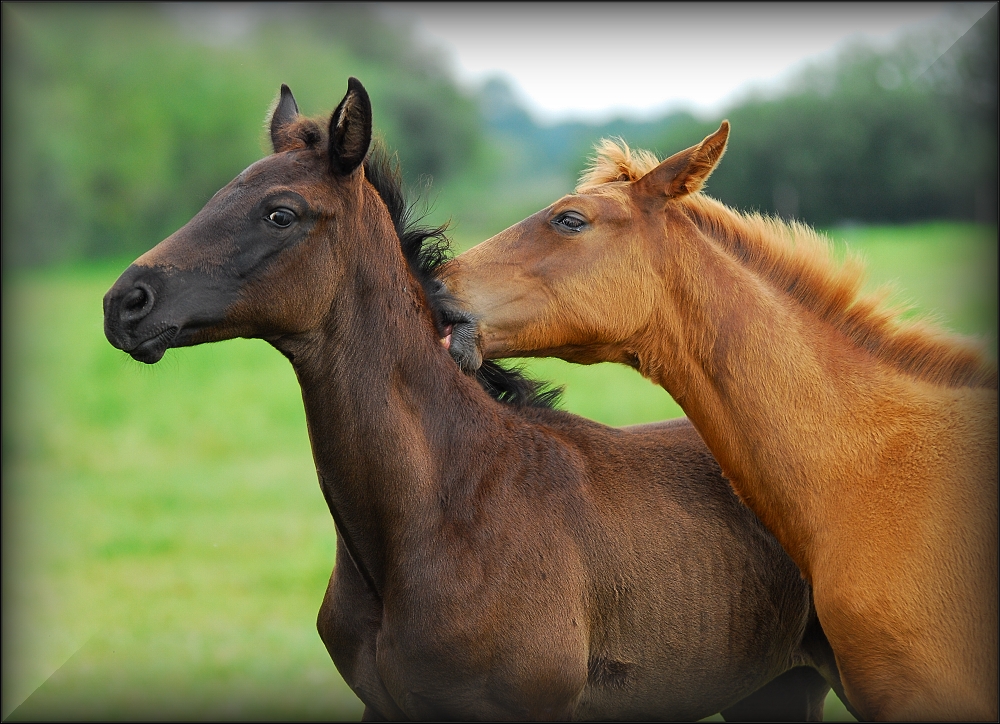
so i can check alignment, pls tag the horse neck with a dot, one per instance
(776, 393)
(390, 417)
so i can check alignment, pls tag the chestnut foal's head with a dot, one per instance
(578, 279)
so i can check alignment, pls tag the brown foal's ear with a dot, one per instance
(350, 129)
(285, 111)
(686, 172)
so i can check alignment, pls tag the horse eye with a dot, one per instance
(570, 221)
(281, 217)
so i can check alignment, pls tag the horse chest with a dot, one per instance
(428, 656)
(480, 661)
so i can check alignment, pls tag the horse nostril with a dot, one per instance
(137, 303)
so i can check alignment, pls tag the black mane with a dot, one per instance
(426, 249)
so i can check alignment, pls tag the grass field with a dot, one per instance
(166, 545)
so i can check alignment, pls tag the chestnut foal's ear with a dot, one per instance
(350, 129)
(686, 172)
(285, 111)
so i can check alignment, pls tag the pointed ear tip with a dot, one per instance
(355, 88)
(720, 138)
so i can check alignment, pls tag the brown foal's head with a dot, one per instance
(265, 256)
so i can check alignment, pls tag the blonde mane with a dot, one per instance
(798, 261)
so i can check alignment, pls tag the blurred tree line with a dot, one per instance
(120, 121)
(880, 137)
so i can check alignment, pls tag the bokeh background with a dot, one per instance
(165, 544)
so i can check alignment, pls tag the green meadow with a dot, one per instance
(166, 543)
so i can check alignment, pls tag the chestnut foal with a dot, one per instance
(867, 446)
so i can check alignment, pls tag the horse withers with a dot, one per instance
(867, 445)
(494, 560)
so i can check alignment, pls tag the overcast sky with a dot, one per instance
(594, 61)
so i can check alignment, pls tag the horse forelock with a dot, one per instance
(799, 262)
(301, 133)
(613, 161)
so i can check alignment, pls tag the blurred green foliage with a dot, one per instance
(120, 121)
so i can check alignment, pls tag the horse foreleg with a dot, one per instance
(349, 621)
